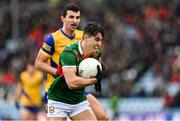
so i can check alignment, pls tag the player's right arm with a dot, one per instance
(44, 55)
(68, 61)
(73, 81)
(42, 65)
(18, 92)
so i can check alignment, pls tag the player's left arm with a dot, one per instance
(101, 73)
(18, 93)
(19, 87)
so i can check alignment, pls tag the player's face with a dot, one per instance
(30, 68)
(71, 20)
(93, 43)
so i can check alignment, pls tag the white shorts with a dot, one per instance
(59, 109)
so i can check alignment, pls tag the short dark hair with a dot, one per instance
(93, 29)
(71, 7)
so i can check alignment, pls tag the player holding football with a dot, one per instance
(48, 56)
(66, 94)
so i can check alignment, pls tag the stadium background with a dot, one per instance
(141, 52)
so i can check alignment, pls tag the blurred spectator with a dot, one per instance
(28, 93)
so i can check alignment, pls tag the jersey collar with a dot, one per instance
(81, 52)
(70, 37)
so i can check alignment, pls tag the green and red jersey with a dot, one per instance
(70, 57)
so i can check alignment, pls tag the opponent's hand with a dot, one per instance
(59, 71)
(99, 77)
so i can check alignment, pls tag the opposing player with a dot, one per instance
(47, 59)
(66, 94)
(28, 93)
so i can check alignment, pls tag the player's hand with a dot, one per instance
(101, 73)
(59, 71)
(99, 77)
(97, 87)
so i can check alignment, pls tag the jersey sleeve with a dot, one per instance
(68, 59)
(48, 46)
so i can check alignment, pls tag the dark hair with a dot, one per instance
(93, 29)
(71, 7)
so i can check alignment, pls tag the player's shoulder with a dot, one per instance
(57, 34)
(72, 46)
(54, 33)
(79, 32)
(51, 37)
(23, 74)
(39, 74)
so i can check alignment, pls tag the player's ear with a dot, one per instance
(85, 36)
(62, 18)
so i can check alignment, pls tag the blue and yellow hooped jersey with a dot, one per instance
(53, 46)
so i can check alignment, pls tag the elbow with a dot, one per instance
(71, 86)
(37, 64)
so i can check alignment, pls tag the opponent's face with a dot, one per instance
(93, 42)
(71, 20)
(30, 69)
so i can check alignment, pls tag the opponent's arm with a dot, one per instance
(44, 55)
(73, 81)
(41, 64)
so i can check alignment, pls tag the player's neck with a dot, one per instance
(83, 46)
(31, 73)
(68, 32)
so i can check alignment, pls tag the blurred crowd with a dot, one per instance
(141, 50)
